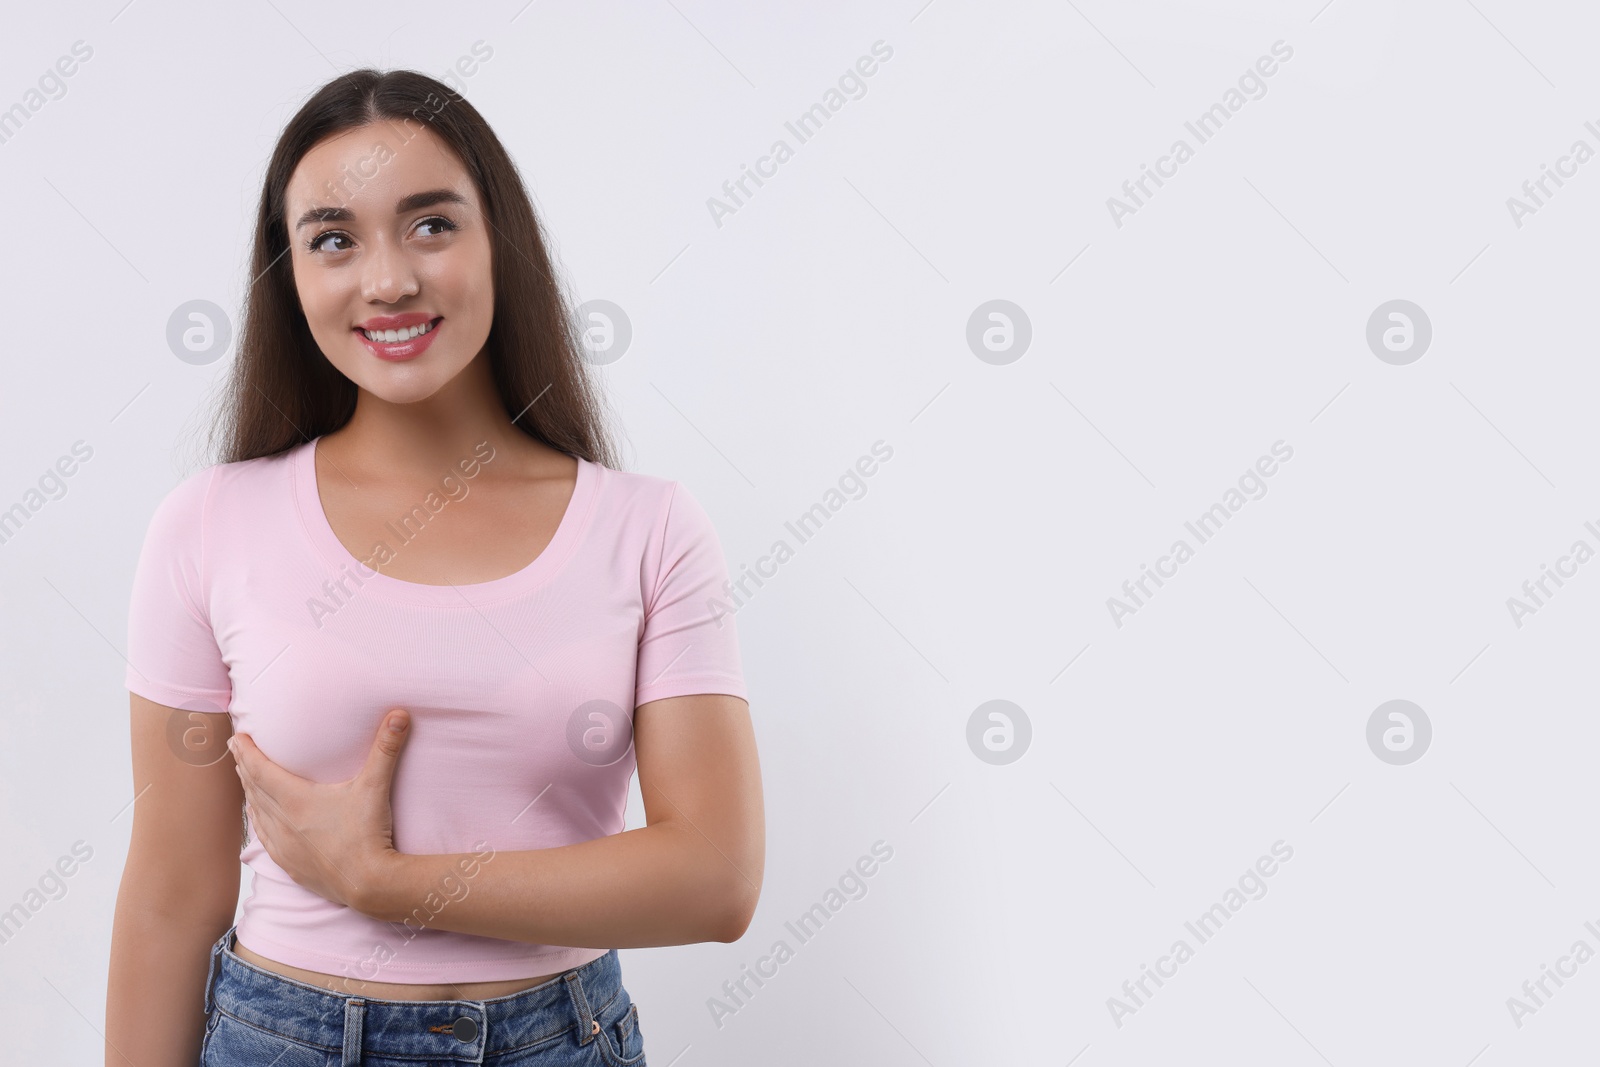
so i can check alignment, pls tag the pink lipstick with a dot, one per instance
(399, 351)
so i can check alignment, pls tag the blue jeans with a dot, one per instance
(583, 1018)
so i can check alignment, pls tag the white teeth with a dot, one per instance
(390, 337)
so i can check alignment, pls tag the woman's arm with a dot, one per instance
(179, 889)
(692, 874)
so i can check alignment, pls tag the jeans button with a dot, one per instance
(465, 1028)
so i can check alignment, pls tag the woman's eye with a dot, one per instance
(315, 244)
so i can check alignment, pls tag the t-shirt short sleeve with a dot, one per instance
(689, 644)
(173, 658)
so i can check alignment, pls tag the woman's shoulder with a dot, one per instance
(198, 492)
(649, 499)
(635, 484)
(668, 517)
(262, 473)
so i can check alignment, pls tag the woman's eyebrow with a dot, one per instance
(414, 202)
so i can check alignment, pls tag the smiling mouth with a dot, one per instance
(395, 337)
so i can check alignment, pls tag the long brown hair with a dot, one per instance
(283, 391)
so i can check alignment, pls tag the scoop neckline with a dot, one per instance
(308, 503)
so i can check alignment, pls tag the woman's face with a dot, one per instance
(386, 230)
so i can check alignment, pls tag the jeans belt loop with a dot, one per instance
(354, 1013)
(586, 1020)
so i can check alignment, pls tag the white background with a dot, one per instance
(830, 311)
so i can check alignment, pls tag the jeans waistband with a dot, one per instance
(460, 1030)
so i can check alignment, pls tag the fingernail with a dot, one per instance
(397, 723)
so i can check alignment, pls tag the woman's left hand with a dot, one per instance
(335, 839)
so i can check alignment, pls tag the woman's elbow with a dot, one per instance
(736, 910)
(732, 920)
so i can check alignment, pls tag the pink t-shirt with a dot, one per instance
(521, 689)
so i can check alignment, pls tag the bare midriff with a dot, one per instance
(352, 987)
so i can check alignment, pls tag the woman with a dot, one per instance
(418, 522)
